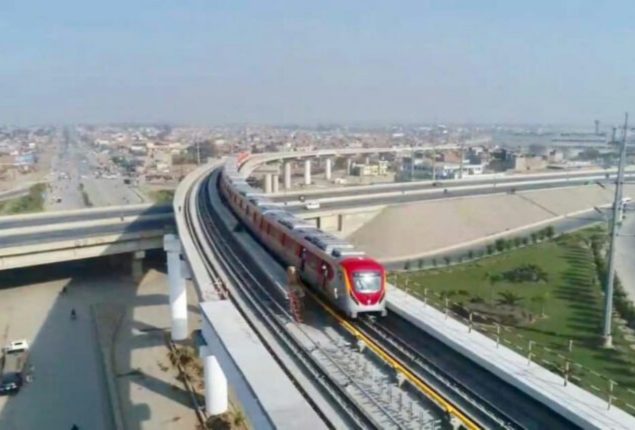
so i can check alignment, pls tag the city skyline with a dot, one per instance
(284, 63)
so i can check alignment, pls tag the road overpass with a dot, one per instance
(31, 240)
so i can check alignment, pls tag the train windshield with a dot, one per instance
(367, 282)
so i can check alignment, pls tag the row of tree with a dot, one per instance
(500, 245)
(623, 305)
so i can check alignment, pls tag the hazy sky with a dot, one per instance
(212, 61)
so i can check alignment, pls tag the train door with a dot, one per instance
(324, 272)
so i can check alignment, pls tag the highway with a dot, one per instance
(74, 233)
(73, 171)
(431, 194)
(367, 190)
(52, 218)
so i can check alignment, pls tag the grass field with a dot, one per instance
(570, 298)
(32, 202)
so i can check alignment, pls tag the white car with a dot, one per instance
(17, 346)
(312, 204)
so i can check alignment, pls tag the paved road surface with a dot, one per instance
(83, 216)
(69, 382)
(82, 233)
(68, 385)
(77, 161)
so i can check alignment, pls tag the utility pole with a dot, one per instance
(607, 338)
(198, 152)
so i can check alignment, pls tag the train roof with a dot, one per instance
(332, 245)
(293, 223)
(300, 228)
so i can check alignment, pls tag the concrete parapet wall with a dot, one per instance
(84, 224)
(72, 250)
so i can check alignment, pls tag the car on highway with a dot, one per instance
(13, 366)
(312, 204)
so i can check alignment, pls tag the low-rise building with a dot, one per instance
(376, 168)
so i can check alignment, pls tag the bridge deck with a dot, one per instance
(245, 359)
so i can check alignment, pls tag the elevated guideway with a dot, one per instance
(579, 407)
(31, 240)
(231, 333)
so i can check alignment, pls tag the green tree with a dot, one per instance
(500, 245)
(517, 241)
(493, 279)
(447, 260)
(540, 301)
(534, 237)
(406, 266)
(489, 249)
(509, 298)
(549, 231)
(470, 254)
(421, 263)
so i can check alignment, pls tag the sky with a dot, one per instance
(208, 62)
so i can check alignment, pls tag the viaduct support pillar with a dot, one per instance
(307, 172)
(275, 183)
(349, 163)
(137, 265)
(178, 295)
(287, 175)
(268, 183)
(215, 384)
(327, 169)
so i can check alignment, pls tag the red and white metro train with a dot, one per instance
(346, 277)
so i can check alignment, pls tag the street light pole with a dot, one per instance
(607, 338)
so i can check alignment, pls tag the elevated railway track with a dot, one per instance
(404, 379)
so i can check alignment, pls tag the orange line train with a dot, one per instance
(346, 277)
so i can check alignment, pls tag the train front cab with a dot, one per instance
(365, 282)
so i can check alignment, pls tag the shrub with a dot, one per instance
(489, 249)
(500, 245)
(526, 273)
